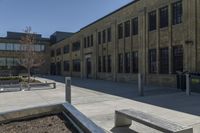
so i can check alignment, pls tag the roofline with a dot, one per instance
(134, 1)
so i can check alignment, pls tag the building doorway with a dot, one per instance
(58, 68)
(53, 69)
(88, 68)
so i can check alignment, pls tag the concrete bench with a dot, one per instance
(7, 82)
(39, 86)
(125, 117)
(81, 120)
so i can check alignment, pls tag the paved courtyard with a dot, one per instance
(99, 99)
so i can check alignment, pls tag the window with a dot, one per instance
(66, 49)
(127, 62)
(52, 53)
(104, 36)
(177, 59)
(66, 66)
(120, 63)
(2, 61)
(42, 48)
(92, 41)
(164, 61)
(99, 63)
(152, 61)
(99, 37)
(104, 63)
(127, 28)
(152, 21)
(109, 34)
(9, 47)
(2, 46)
(135, 26)
(120, 31)
(177, 13)
(109, 63)
(88, 41)
(16, 47)
(58, 51)
(164, 17)
(85, 42)
(76, 46)
(135, 62)
(76, 66)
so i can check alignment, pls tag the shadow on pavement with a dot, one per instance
(169, 98)
(122, 130)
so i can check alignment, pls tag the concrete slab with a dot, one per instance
(99, 99)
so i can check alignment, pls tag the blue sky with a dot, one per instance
(48, 16)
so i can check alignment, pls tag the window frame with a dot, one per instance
(152, 17)
(66, 66)
(120, 63)
(135, 25)
(152, 61)
(135, 62)
(177, 58)
(127, 62)
(164, 60)
(177, 12)
(120, 31)
(164, 17)
(109, 63)
(127, 28)
(109, 34)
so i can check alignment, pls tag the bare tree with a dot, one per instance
(29, 57)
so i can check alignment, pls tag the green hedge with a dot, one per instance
(11, 78)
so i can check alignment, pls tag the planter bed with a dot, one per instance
(45, 124)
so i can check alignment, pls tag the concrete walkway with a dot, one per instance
(99, 99)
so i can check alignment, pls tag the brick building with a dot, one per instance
(154, 37)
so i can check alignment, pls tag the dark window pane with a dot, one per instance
(109, 35)
(66, 66)
(152, 21)
(52, 53)
(109, 63)
(120, 63)
(177, 59)
(99, 63)
(120, 31)
(164, 61)
(104, 63)
(76, 46)
(76, 66)
(92, 41)
(177, 13)
(66, 49)
(85, 42)
(127, 62)
(152, 61)
(88, 41)
(104, 36)
(135, 62)
(58, 51)
(99, 37)
(164, 17)
(127, 28)
(135, 26)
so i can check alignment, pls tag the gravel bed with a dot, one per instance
(45, 124)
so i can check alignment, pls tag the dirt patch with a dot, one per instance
(46, 124)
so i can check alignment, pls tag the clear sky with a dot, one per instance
(48, 16)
